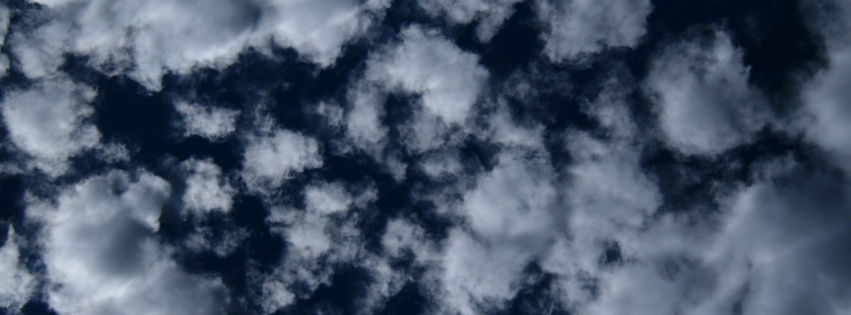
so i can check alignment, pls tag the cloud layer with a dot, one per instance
(424, 157)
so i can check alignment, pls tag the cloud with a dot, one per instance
(446, 81)
(488, 14)
(213, 123)
(146, 39)
(17, 284)
(50, 122)
(511, 215)
(320, 238)
(577, 29)
(449, 79)
(702, 97)
(206, 189)
(272, 159)
(4, 28)
(102, 255)
(826, 113)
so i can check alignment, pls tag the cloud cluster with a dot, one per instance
(577, 29)
(18, 283)
(488, 14)
(213, 123)
(704, 102)
(272, 159)
(206, 189)
(102, 255)
(146, 39)
(320, 238)
(826, 112)
(445, 80)
(415, 178)
(50, 121)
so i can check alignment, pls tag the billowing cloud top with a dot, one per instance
(425, 157)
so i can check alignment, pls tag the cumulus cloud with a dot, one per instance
(272, 159)
(17, 283)
(489, 14)
(206, 189)
(577, 29)
(50, 122)
(213, 123)
(320, 238)
(146, 39)
(426, 63)
(445, 80)
(102, 256)
(511, 214)
(703, 100)
(826, 112)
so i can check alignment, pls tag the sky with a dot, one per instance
(425, 157)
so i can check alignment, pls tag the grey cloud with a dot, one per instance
(102, 256)
(489, 14)
(18, 283)
(704, 102)
(826, 113)
(50, 122)
(271, 159)
(148, 38)
(213, 123)
(206, 188)
(577, 29)
(319, 238)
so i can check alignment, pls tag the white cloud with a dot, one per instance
(102, 256)
(148, 38)
(49, 121)
(489, 14)
(363, 121)
(448, 78)
(270, 160)
(577, 29)
(213, 123)
(320, 238)
(206, 189)
(511, 213)
(703, 100)
(39, 51)
(319, 29)
(17, 283)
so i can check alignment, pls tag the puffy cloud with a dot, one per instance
(319, 29)
(446, 80)
(511, 214)
(148, 38)
(577, 29)
(213, 123)
(4, 27)
(703, 100)
(489, 14)
(17, 283)
(102, 256)
(271, 159)
(826, 112)
(206, 190)
(320, 238)
(50, 122)
(449, 79)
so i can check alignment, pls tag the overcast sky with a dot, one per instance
(173, 157)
